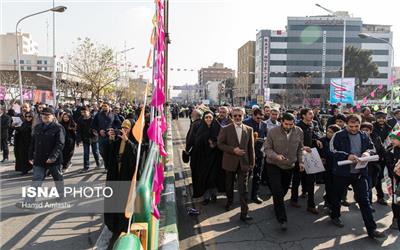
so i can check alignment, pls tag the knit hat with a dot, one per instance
(395, 135)
(126, 124)
(380, 114)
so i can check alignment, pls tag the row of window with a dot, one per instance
(319, 51)
(30, 62)
(297, 39)
(30, 68)
(326, 27)
(318, 75)
(315, 63)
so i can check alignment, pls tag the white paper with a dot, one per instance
(364, 161)
(312, 162)
(17, 121)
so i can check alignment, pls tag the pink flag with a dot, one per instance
(358, 106)
(158, 98)
(351, 110)
(380, 86)
(372, 94)
(365, 100)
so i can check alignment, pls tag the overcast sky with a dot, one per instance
(202, 31)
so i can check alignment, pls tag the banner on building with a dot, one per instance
(342, 92)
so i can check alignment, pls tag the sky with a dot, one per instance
(202, 31)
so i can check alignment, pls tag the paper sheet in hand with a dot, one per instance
(312, 162)
(363, 163)
(16, 121)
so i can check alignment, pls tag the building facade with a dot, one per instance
(245, 72)
(216, 72)
(309, 53)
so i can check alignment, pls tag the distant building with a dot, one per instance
(216, 72)
(213, 89)
(245, 72)
(313, 46)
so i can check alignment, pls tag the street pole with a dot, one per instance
(54, 9)
(366, 35)
(54, 85)
(343, 58)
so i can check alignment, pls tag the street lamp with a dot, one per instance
(55, 9)
(344, 38)
(366, 35)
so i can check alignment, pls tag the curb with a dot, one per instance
(168, 232)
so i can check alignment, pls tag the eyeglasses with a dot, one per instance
(28, 116)
(237, 115)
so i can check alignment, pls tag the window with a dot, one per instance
(44, 68)
(45, 62)
(29, 68)
(39, 68)
(21, 61)
(39, 62)
(28, 61)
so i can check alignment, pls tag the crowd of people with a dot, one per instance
(266, 146)
(45, 138)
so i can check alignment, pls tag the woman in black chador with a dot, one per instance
(22, 140)
(206, 159)
(120, 158)
(70, 138)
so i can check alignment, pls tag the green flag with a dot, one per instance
(376, 107)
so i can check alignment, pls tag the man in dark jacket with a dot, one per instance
(310, 139)
(5, 126)
(88, 137)
(103, 121)
(351, 144)
(259, 127)
(396, 119)
(381, 130)
(45, 152)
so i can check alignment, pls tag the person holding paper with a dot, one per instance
(392, 159)
(351, 144)
(310, 140)
(283, 148)
(373, 167)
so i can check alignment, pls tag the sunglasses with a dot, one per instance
(28, 116)
(237, 115)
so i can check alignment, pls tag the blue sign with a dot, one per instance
(342, 92)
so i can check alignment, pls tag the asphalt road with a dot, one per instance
(47, 229)
(215, 228)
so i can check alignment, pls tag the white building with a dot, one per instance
(213, 91)
(29, 54)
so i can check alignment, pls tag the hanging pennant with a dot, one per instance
(376, 107)
(365, 100)
(358, 106)
(380, 87)
(372, 94)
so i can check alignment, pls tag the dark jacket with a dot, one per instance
(104, 121)
(260, 129)
(381, 131)
(310, 132)
(392, 122)
(5, 125)
(47, 143)
(85, 133)
(340, 148)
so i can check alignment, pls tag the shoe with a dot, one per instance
(295, 204)
(376, 234)
(337, 222)
(345, 203)
(394, 225)
(382, 202)
(284, 226)
(228, 206)
(257, 200)
(245, 218)
(213, 198)
(85, 170)
(205, 202)
(5, 160)
(312, 210)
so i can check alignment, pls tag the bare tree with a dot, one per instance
(94, 64)
(303, 88)
(9, 80)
